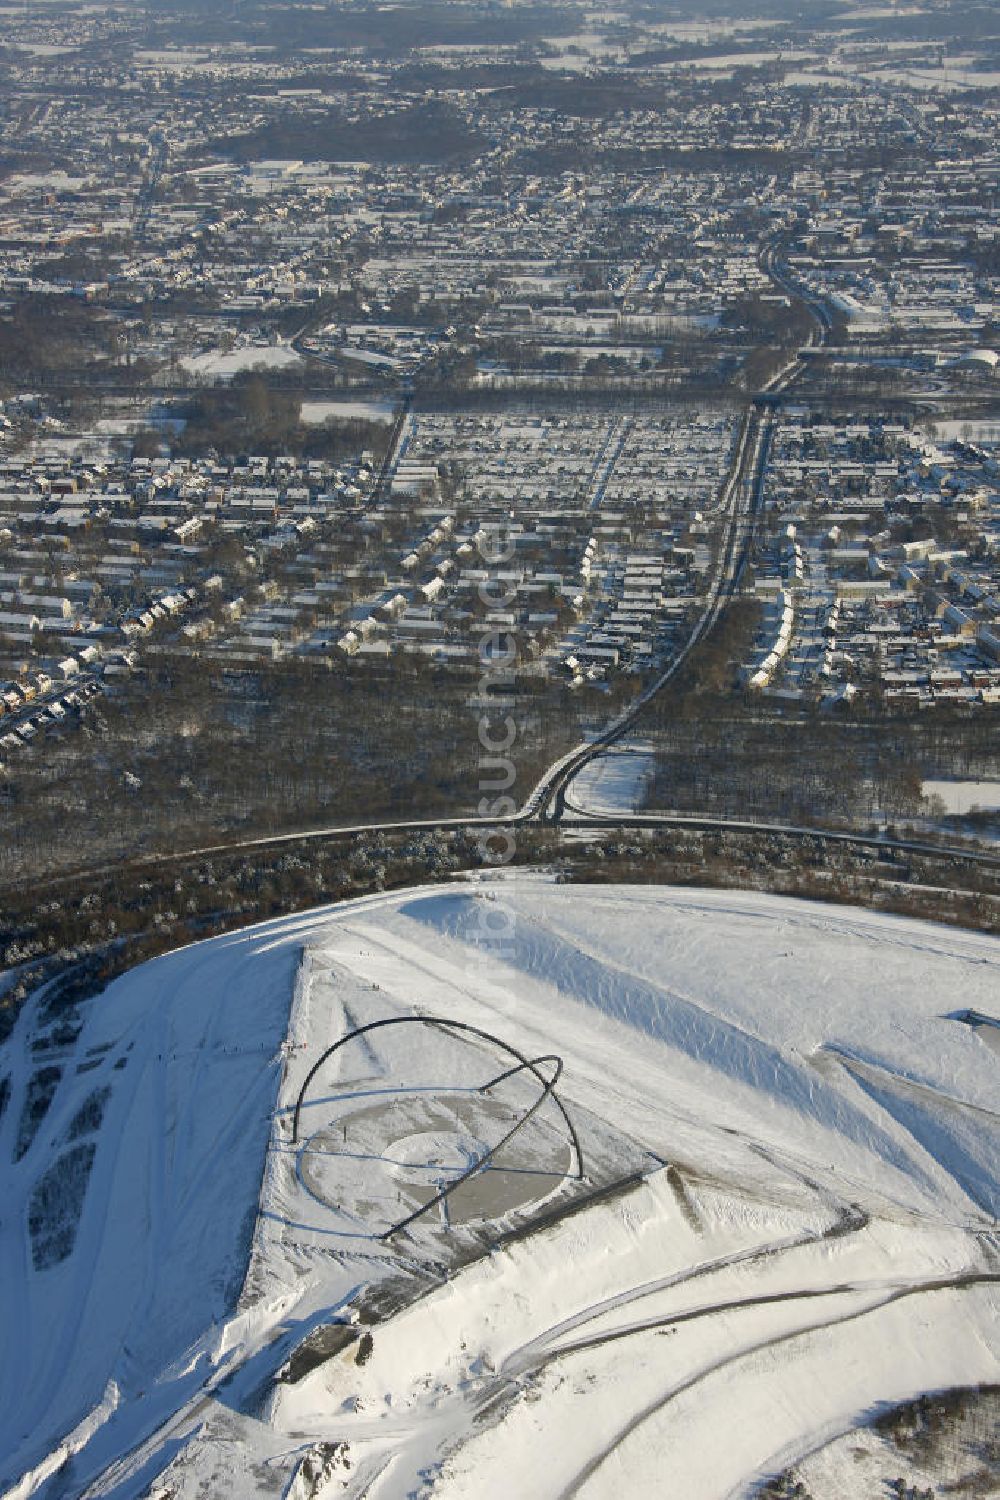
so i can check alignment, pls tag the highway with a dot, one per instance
(637, 823)
(741, 498)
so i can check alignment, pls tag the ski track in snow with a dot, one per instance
(823, 1238)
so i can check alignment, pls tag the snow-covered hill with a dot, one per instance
(787, 1118)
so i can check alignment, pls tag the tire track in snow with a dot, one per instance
(527, 1356)
(922, 1288)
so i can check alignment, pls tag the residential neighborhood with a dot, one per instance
(365, 351)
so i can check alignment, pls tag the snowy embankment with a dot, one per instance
(789, 1112)
(128, 1203)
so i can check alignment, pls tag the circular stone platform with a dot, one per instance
(379, 1162)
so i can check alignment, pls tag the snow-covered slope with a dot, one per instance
(140, 1183)
(789, 1138)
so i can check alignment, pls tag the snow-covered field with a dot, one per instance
(314, 412)
(216, 365)
(616, 782)
(789, 1136)
(965, 796)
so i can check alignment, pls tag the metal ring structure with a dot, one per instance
(531, 1065)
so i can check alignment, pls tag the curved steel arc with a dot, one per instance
(534, 1063)
(523, 1064)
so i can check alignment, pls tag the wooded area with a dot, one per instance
(191, 753)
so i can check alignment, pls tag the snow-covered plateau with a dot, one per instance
(740, 1198)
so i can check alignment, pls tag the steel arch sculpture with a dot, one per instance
(531, 1065)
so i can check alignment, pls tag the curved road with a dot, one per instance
(741, 495)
